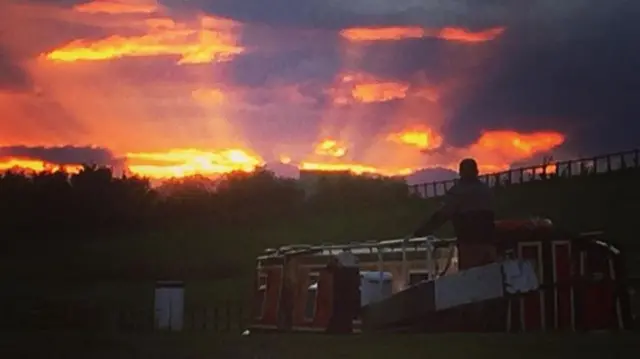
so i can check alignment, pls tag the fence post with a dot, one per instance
(240, 316)
(228, 314)
(150, 321)
(216, 318)
(205, 318)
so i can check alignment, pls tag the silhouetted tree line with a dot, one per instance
(94, 202)
(163, 231)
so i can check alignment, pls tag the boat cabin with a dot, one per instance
(328, 287)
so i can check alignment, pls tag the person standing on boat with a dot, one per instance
(469, 206)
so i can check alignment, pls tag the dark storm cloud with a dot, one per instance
(577, 73)
(12, 76)
(436, 58)
(257, 69)
(65, 3)
(337, 14)
(285, 57)
(63, 155)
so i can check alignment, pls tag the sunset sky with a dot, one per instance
(176, 87)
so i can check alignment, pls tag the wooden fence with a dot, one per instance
(564, 169)
(219, 317)
(224, 317)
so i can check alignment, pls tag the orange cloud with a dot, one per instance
(379, 92)
(331, 148)
(168, 126)
(366, 88)
(496, 150)
(383, 33)
(367, 34)
(211, 39)
(210, 96)
(423, 139)
(463, 35)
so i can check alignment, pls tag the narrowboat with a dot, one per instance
(544, 279)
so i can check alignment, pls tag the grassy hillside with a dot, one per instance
(218, 265)
(208, 345)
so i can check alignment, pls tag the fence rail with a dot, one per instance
(601, 164)
(220, 317)
(227, 318)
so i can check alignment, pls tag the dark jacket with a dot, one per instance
(469, 205)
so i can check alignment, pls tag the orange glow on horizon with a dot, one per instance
(188, 162)
(494, 151)
(35, 166)
(354, 168)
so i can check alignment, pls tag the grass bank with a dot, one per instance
(71, 345)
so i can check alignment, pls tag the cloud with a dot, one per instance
(208, 86)
(336, 14)
(369, 34)
(208, 40)
(64, 3)
(574, 71)
(118, 7)
(62, 155)
(302, 65)
(12, 76)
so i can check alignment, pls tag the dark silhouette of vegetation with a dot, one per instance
(93, 202)
(94, 225)
(94, 241)
(99, 219)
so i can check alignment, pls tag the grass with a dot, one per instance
(587, 205)
(120, 271)
(71, 345)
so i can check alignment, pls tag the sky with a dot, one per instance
(169, 88)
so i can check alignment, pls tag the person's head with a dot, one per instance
(468, 168)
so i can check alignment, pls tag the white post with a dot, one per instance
(429, 249)
(381, 272)
(405, 274)
(169, 305)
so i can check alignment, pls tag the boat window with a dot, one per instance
(261, 293)
(312, 295)
(417, 277)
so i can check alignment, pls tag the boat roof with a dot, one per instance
(386, 246)
(401, 244)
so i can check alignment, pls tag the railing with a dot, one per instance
(226, 316)
(564, 169)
